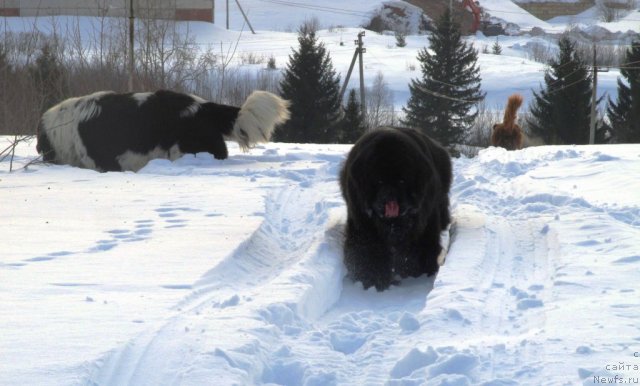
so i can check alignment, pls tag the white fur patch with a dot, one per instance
(60, 123)
(198, 99)
(133, 161)
(446, 237)
(190, 111)
(258, 117)
(141, 97)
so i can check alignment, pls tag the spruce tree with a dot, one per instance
(311, 84)
(441, 101)
(352, 125)
(560, 112)
(401, 38)
(624, 115)
(496, 49)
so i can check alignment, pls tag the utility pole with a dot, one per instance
(243, 15)
(363, 107)
(131, 43)
(358, 53)
(594, 97)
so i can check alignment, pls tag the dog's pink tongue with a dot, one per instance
(391, 209)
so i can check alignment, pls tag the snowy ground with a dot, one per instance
(231, 271)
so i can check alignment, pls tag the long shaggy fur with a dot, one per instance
(396, 183)
(258, 118)
(106, 131)
(58, 137)
(508, 134)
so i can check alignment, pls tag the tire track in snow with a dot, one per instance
(538, 227)
(513, 316)
(297, 321)
(287, 271)
(491, 316)
(419, 331)
(482, 321)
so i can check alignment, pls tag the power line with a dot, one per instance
(317, 7)
(549, 92)
(440, 95)
(628, 63)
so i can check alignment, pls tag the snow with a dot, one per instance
(231, 270)
(508, 10)
(276, 23)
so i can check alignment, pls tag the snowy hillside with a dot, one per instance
(280, 15)
(231, 271)
(203, 272)
(276, 23)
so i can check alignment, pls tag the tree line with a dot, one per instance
(444, 100)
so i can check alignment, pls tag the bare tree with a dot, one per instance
(607, 13)
(480, 132)
(93, 59)
(380, 108)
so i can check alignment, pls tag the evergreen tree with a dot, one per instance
(401, 38)
(560, 112)
(352, 125)
(311, 84)
(496, 49)
(441, 102)
(624, 116)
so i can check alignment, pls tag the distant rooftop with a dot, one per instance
(194, 10)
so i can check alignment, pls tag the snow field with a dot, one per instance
(283, 273)
(202, 270)
(232, 270)
(580, 219)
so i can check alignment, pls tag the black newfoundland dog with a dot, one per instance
(106, 131)
(396, 183)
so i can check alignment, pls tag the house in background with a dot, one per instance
(193, 10)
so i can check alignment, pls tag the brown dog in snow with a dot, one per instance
(508, 134)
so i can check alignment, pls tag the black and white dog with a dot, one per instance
(106, 131)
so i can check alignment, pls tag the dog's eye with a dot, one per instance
(401, 182)
(379, 182)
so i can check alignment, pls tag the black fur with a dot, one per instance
(123, 125)
(403, 166)
(44, 146)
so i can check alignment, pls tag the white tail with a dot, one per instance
(258, 117)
